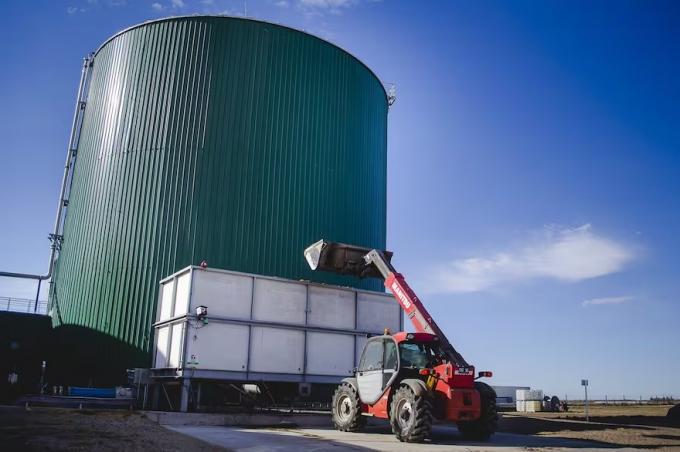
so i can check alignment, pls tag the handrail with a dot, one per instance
(23, 305)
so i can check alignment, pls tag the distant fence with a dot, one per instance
(24, 305)
(669, 400)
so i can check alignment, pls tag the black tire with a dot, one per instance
(347, 409)
(487, 424)
(411, 415)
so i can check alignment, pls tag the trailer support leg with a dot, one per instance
(198, 398)
(185, 391)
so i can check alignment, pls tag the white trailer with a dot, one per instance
(261, 328)
(506, 396)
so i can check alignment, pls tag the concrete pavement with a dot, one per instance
(444, 438)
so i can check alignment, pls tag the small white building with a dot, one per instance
(506, 396)
(529, 400)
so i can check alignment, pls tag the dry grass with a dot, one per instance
(621, 426)
(576, 411)
(57, 429)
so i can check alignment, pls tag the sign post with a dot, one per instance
(584, 383)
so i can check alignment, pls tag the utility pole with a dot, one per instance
(584, 383)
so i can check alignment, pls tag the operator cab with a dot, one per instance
(419, 355)
(417, 352)
(390, 357)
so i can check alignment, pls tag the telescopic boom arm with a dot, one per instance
(366, 262)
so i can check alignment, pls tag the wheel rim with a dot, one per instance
(405, 414)
(343, 408)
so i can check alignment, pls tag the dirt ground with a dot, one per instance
(640, 426)
(56, 429)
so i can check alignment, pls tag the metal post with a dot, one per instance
(185, 389)
(146, 392)
(584, 383)
(37, 296)
(42, 377)
(198, 398)
(155, 396)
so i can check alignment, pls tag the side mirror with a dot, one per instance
(355, 370)
(484, 373)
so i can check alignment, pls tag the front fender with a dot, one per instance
(352, 382)
(418, 387)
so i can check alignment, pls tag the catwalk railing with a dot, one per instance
(24, 305)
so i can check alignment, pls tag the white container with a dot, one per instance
(529, 406)
(529, 394)
(262, 328)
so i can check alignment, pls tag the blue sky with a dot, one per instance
(534, 166)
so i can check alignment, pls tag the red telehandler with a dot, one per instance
(408, 378)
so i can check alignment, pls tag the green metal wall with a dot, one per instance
(225, 139)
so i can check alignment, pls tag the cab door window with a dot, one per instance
(391, 362)
(372, 358)
(391, 359)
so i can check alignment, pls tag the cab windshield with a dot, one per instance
(419, 355)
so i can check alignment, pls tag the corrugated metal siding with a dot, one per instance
(230, 140)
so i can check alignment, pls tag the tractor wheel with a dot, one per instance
(347, 409)
(410, 415)
(486, 425)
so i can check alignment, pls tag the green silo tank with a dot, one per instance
(223, 139)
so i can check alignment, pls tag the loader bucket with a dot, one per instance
(342, 258)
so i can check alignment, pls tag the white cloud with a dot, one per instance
(328, 3)
(316, 8)
(282, 4)
(157, 6)
(177, 3)
(607, 300)
(89, 5)
(557, 253)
